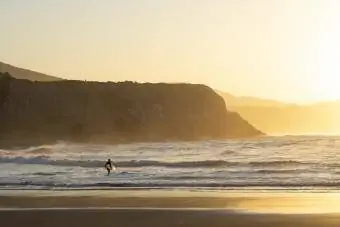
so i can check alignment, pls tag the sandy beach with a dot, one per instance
(150, 217)
(167, 208)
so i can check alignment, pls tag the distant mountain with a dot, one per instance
(232, 100)
(20, 73)
(273, 117)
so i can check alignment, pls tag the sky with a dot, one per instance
(287, 50)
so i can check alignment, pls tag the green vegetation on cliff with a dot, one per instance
(111, 112)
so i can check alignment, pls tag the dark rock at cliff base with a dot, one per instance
(41, 112)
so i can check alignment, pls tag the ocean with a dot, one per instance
(286, 163)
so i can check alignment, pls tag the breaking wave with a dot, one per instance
(44, 160)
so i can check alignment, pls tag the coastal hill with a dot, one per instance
(21, 73)
(269, 116)
(40, 112)
(273, 117)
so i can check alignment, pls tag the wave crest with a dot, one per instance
(45, 160)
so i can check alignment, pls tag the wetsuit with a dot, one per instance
(108, 166)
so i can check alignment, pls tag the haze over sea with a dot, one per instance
(308, 163)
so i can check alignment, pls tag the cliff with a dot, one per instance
(43, 112)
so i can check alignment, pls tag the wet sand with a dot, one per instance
(164, 218)
(153, 208)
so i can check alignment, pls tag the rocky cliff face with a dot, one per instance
(43, 112)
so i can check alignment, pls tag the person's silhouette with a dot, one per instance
(108, 166)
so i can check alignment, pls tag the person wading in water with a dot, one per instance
(108, 166)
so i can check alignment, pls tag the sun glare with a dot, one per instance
(328, 78)
(327, 85)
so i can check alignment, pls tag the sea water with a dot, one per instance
(266, 163)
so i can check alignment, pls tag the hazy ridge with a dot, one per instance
(275, 117)
(21, 73)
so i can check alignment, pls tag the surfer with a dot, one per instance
(108, 166)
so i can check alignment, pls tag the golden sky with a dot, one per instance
(281, 49)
